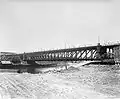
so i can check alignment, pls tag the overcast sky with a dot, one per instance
(27, 26)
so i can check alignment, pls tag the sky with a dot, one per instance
(34, 25)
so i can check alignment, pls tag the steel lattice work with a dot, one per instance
(99, 52)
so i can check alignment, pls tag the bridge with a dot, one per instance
(91, 53)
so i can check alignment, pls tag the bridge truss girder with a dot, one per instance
(73, 54)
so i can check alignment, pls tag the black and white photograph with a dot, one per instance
(59, 49)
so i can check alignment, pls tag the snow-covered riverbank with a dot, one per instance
(87, 82)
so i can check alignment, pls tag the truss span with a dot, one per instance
(99, 52)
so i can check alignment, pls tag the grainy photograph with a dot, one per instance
(59, 49)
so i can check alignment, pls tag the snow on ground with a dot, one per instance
(88, 82)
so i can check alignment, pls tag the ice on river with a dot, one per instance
(84, 82)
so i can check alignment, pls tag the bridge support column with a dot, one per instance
(116, 51)
(98, 51)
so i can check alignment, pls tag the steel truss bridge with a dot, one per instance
(92, 53)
